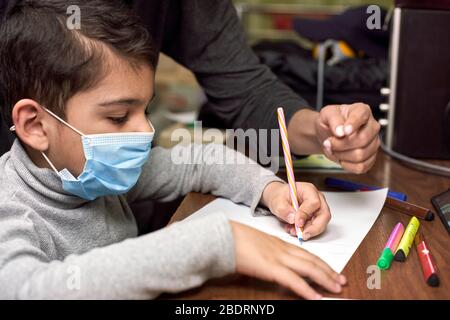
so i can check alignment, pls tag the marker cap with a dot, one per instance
(400, 255)
(433, 280)
(385, 260)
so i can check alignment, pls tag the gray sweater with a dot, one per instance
(54, 245)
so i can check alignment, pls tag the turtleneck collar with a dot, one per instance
(45, 182)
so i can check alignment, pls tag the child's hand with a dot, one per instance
(313, 214)
(268, 258)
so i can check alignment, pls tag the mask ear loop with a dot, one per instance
(13, 128)
(67, 124)
(151, 126)
(64, 122)
(49, 162)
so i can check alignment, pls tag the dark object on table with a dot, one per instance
(409, 209)
(441, 203)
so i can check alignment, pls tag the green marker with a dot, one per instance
(385, 260)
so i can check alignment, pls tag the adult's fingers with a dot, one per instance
(359, 139)
(358, 116)
(332, 117)
(328, 152)
(359, 154)
(361, 167)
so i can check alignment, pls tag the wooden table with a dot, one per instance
(401, 281)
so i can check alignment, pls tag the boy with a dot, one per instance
(77, 100)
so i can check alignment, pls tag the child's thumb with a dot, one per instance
(285, 212)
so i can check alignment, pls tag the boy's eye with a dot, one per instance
(118, 120)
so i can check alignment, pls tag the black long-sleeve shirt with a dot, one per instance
(206, 37)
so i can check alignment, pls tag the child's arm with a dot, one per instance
(211, 168)
(179, 257)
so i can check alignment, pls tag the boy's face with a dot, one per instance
(117, 104)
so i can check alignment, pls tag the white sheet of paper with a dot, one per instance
(353, 214)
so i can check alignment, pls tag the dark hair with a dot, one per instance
(41, 58)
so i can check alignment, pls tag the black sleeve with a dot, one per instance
(207, 38)
(3, 4)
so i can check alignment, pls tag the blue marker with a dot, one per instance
(352, 186)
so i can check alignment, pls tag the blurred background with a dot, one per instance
(269, 26)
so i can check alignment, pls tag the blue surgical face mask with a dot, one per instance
(113, 162)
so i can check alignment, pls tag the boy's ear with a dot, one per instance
(28, 120)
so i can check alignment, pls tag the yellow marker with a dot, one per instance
(407, 240)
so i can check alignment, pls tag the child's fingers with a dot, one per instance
(303, 254)
(301, 218)
(289, 279)
(321, 219)
(315, 227)
(290, 228)
(309, 268)
(310, 202)
(269, 258)
(285, 211)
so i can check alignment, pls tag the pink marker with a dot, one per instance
(384, 262)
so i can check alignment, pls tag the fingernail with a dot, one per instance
(306, 236)
(342, 279)
(318, 297)
(340, 131)
(327, 145)
(301, 223)
(348, 129)
(338, 287)
(290, 218)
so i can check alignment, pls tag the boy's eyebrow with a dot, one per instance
(125, 101)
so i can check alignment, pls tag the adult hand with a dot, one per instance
(349, 135)
(346, 134)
